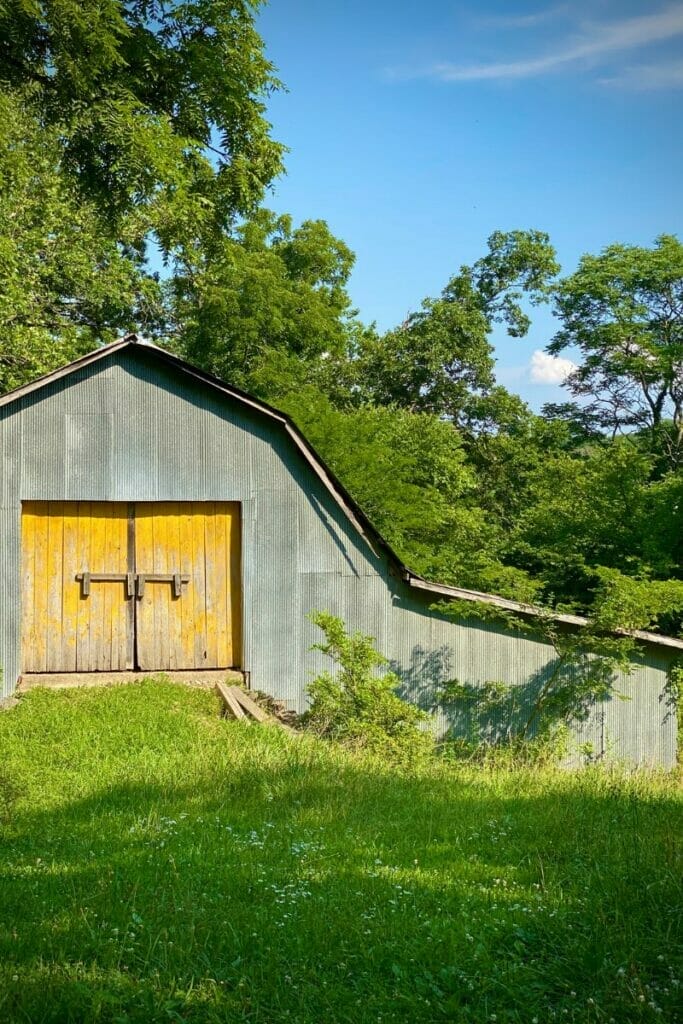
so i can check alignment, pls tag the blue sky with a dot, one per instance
(418, 128)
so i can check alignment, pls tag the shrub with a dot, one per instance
(357, 705)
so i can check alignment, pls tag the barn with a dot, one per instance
(156, 519)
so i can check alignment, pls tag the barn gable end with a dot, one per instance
(133, 425)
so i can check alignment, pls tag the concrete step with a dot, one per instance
(65, 680)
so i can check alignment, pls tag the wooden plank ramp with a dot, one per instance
(240, 705)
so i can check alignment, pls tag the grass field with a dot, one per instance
(160, 864)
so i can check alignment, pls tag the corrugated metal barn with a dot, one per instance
(156, 519)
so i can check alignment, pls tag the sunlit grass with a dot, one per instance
(161, 864)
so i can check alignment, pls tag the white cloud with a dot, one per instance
(547, 369)
(514, 21)
(595, 41)
(667, 75)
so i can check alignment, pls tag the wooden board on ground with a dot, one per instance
(232, 705)
(249, 705)
(241, 706)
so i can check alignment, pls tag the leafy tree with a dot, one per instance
(159, 103)
(623, 309)
(440, 360)
(125, 123)
(408, 472)
(596, 507)
(65, 284)
(259, 306)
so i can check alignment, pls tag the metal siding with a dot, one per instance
(10, 599)
(276, 611)
(226, 456)
(136, 444)
(132, 429)
(88, 455)
(11, 448)
(327, 542)
(641, 728)
(248, 525)
(362, 602)
(44, 444)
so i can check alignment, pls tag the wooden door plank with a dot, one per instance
(144, 607)
(40, 592)
(219, 584)
(175, 604)
(198, 586)
(71, 588)
(235, 584)
(53, 583)
(161, 592)
(132, 600)
(28, 585)
(108, 561)
(84, 562)
(117, 600)
(98, 625)
(186, 610)
(210, 593)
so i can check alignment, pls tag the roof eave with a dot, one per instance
(532, 611)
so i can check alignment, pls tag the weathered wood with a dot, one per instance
(249, 705)
(186, 625)
(68, 624)
(231, 703)
(257, 712)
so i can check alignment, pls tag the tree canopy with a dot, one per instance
(135, 154)
(160, 104)
(623, 309)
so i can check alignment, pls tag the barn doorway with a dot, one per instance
(111, 586)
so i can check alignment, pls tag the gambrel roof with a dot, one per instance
(334, 487)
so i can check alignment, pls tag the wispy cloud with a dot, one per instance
(668, 75)
(547, 369)
(530, 20)
(593, 44)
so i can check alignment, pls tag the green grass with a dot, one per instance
(160, 864)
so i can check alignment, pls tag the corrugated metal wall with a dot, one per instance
(131, 429)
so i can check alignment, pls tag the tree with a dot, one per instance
(159, 103)
(596, 507)
(409, 473)
(440, 360)
(623, 310)
(260, 306)
(65, 284)
(125, 124)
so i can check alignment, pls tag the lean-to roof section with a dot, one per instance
(334, 487)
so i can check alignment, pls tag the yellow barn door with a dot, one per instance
(113, 586)
(68, 626)
(187, 558)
